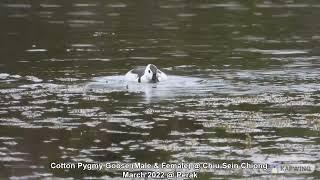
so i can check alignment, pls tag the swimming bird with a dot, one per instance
(149, 74)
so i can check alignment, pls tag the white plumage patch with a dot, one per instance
(148, 74)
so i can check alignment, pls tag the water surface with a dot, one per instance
(243, 87)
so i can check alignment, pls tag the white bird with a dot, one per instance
(149, 74)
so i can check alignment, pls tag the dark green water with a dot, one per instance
(244, 86)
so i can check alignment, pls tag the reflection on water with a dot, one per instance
(243, 87)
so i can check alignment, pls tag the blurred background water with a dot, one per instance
(244, 85)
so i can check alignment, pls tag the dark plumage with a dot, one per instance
(149, 73)
(139, 71)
